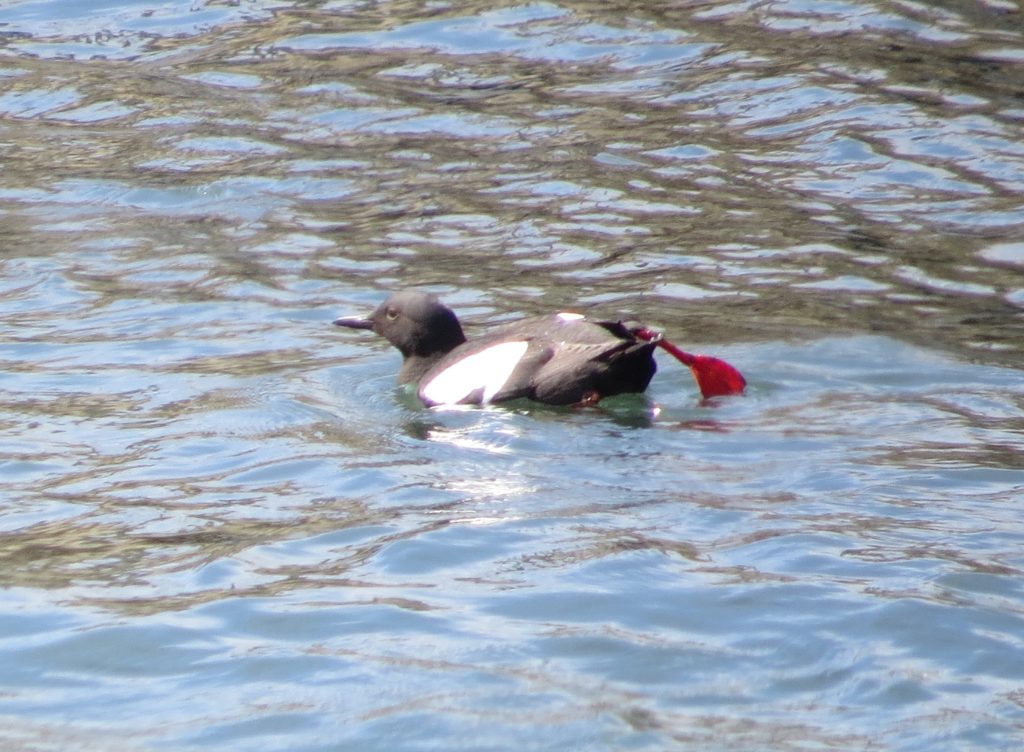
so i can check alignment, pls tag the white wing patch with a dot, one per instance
(565, 316)
(487, 370)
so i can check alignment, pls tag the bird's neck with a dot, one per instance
(414, 367)
(426, 355)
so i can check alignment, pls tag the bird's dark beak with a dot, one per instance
(354, 322)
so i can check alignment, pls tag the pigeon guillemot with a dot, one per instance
(560, 359)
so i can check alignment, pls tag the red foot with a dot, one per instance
(714, 376)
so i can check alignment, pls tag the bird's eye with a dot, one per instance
(392, 314)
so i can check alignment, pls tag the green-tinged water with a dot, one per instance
(223, 527)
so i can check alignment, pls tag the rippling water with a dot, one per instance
(222, 527)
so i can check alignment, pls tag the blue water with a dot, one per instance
(222, 525)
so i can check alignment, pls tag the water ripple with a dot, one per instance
(219, 514)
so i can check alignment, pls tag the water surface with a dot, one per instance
(222, 527)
